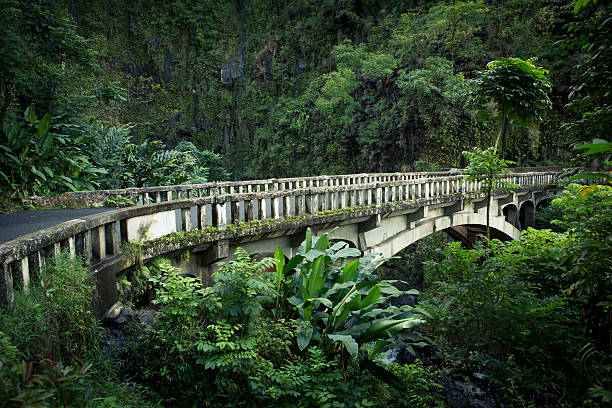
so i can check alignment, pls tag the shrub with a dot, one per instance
(499, 308)
(41, 157)
(54, 318)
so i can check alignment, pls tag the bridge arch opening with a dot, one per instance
(510, 214)
(527, 215)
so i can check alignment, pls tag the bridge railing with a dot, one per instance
(159, 194)
(98, 237)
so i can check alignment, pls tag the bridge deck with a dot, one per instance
(25, 222)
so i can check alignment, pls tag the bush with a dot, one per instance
(503, 309)
(149, 163)
(242, 341)
(419, 387)
(40, 157)
(54, 318)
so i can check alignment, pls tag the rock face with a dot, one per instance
(169, 123)
(168, 67)
(470, 393)
(232, 71)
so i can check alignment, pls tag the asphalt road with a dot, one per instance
(24, 222)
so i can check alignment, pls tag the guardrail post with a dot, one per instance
(278, 207)
(21, 274)
(98, 243)
(224, 213)
(289, 204)
(266, 208)
(312, 204)
(205, 215)
(6, 285)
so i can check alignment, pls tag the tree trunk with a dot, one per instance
(503, 137)
(503, 132)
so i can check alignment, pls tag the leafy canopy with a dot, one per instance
(518, 88)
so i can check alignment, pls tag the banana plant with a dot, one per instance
(341, 301)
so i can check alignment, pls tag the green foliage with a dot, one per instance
(489, 313)
(54, 318)
(38, 157)
(207, 337)
(55, 386)
(419, 387)
(534, 315)
(590, 95)
(39, 46)
(208, 165)
(316, 87)
(587, 215)
(239, 340)
(150, 163)
(342, 306)
(518, 89)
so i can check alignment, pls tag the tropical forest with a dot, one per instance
(305, 203)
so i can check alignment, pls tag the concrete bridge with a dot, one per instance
(200, 225)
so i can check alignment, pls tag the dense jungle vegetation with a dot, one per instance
(267, 88)
(118, 93)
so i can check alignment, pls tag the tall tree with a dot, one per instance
(518, 90)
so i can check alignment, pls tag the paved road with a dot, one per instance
(25, 222)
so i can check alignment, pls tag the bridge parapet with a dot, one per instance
(101, 237)
(149, 195)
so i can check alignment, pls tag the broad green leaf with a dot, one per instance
(355, 304)
(322, 243)
(348, 341)
(47, 145)
(386, 328)
(280, 261)
(314, 253)
(30, 114)
(371, 298)
(308, 240)
(304, 334)
(292, 264)
(350, 271)
(43, 125)
(316, 277)
(326, 302)
(348, 253)
(378, 347)
(38, 173)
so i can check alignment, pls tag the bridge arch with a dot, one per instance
(499, 228)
